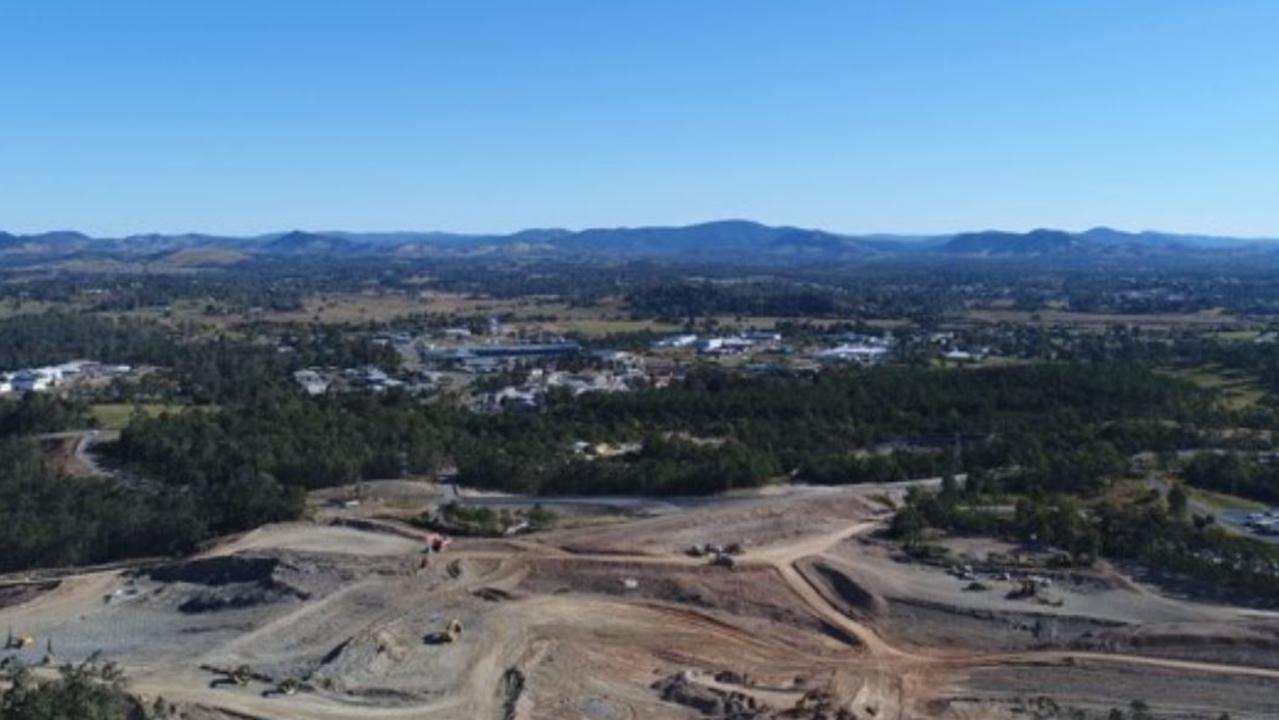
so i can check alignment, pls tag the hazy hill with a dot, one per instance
(730, 241)
(1035, 242)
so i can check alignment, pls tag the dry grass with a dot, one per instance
(114, 416)
(1213, 317)
(1235, 389)
(9, 308)
(1221, 501)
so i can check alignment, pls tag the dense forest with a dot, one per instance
(48, 519)
(34, 413)
(59, 336)
(1234, 474)
(249, 459)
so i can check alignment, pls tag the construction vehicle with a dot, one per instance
(454, 630)
(449, 634)
(724, 560)
(1027, 589)
(18, 642)
(435, 542)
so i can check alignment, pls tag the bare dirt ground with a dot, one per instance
(815, 619)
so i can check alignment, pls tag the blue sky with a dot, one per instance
(244, 116)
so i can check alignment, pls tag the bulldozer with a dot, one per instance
(18, 642)
(1027, 589)
(241, 675)
(449, 634)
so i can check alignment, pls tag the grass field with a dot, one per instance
(114, 416)
(1236, 335)
(604, 327)
(1237, 390)
(1221, 501)
(1215, 317)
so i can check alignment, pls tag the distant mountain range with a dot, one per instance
(729, 241)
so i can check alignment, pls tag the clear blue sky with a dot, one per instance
(252, 115)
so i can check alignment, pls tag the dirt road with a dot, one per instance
(566, 624)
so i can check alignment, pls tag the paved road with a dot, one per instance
(1234, 520)
(1237, 520)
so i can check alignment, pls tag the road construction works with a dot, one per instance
(782, 605)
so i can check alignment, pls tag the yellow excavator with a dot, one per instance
(449, 634)
(18, 642)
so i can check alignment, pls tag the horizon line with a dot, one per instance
(581, 229)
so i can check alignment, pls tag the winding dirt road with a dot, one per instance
(895, 680)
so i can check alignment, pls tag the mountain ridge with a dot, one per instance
(732, 240)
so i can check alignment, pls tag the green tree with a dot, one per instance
(92, 690)
(1177, 500)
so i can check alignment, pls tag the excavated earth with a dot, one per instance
(813, 618)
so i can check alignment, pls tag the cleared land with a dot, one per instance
(814, 617)
(1205, 318)
(1237, 390)
(114, 416)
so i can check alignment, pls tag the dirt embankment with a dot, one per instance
(229, 582)
(22, 592)
(841, 591)
(1252, 643)
(744, 592)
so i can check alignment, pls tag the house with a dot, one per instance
(531, 350)
(311, 382)
(710, 345)
(860, 354)
(33, 380)
(724, 345)
(856, 338)
(74, 367)
(762, 336)
(481, 365)
(523, 398)
(615, 357)
(387, 384)
(675, 341)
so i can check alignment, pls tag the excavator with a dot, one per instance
(18, 642)
(449, 634)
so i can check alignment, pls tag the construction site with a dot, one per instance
(773, 604)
